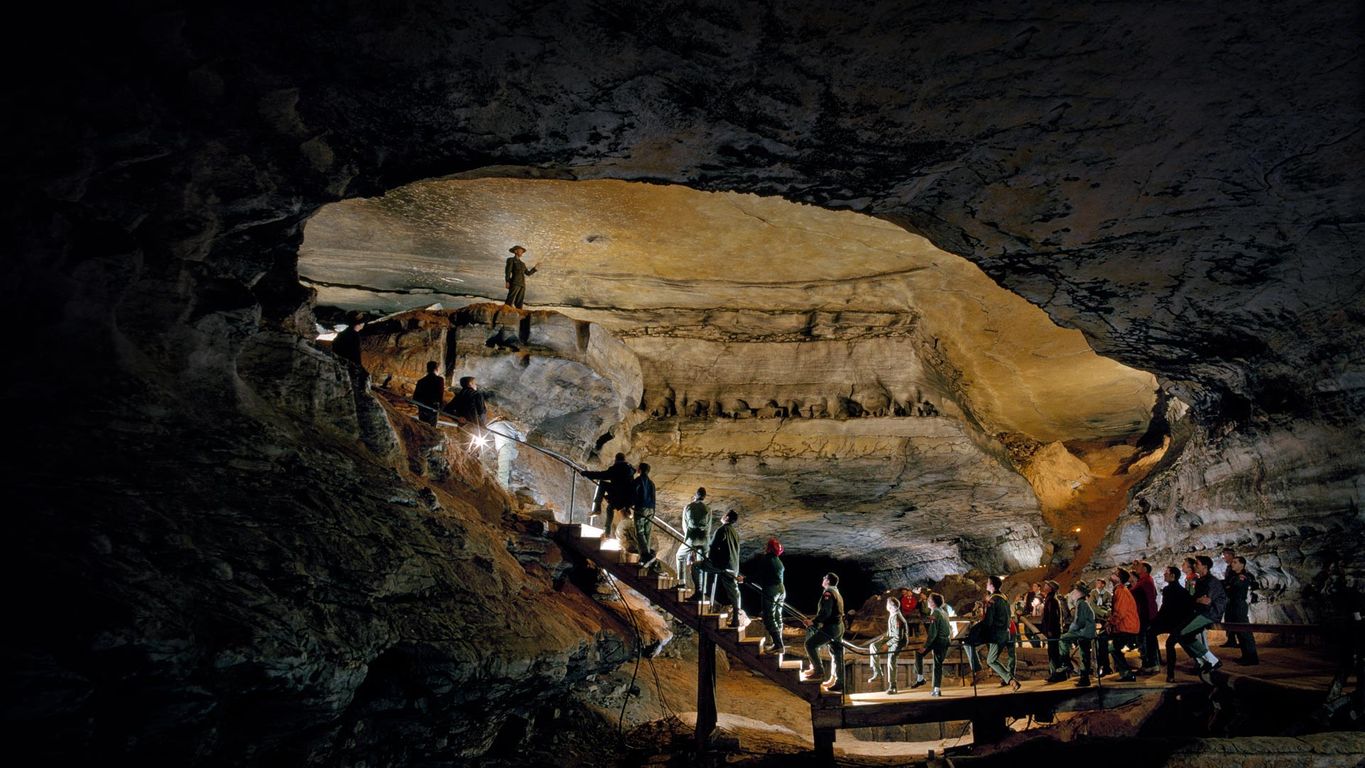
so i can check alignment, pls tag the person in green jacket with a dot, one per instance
(938, 634)
(1082, 630)
(767, 576)
(827, 628)
(996, 632)
(722, 564)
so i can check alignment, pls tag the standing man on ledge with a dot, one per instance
(515, 275)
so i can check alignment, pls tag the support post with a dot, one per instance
(824, 745)
(573, 486)
(988, 728)
(706, 690)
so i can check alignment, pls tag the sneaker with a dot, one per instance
(1014, 683)
(918, 683)
(892, 690)
(1083, 681)
(1056, 677)
(936, 692)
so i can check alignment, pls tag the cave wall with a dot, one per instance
(1175, 181)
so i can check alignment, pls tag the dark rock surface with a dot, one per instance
(211, 573)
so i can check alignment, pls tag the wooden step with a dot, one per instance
(787, 663)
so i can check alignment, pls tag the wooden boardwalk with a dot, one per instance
(987, 706)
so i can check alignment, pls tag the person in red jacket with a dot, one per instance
(1144, 592)
(1123, 625)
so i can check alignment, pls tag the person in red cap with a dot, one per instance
(767, 576)
(515, 274)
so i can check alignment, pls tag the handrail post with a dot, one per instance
(573, 486)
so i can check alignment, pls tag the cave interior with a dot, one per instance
(1030, 292)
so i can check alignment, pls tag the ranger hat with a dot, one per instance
(1082, 587)
(516, 249)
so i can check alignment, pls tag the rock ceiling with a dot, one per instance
(660, 264)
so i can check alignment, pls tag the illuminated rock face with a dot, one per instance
(735, 300)
(881, 368)
(1175, 181)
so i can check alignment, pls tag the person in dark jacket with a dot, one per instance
(1051, 627)
(429, 394)
(468, 406)
(893, 640)
(1081, 632)
(768, 576)
(1209, 604)
(1238, 585)
(346, 345)
(827, 628)
(1177, 608)
(722, 562)
(995, 631)
(938, 635)
(642, 502)
(619, 482)
(515, 273)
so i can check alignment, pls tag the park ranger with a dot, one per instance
(827, 628)
(515, 274)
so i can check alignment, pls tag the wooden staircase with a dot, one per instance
(664, 592)
(987, 708)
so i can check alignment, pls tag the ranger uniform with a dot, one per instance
(515, 273)
(939, 634)
(827, 628)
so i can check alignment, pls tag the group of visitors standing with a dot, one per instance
(1127, 611)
